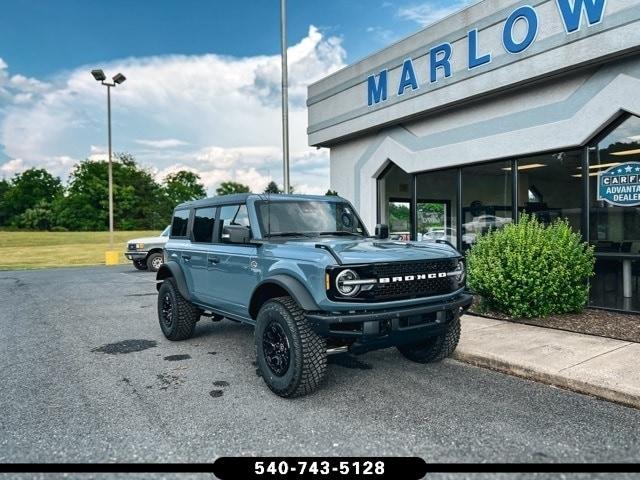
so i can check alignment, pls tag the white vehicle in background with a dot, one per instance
(148, 253)
(438, 233)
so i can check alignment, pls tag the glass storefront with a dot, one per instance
(550, 187)
(615, 230)
(458, 204)
(486, 199)
(437, 206)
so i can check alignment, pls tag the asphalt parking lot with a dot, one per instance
(88, 377)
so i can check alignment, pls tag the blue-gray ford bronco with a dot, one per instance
(306, 273)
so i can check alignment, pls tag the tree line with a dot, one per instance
(37, 200)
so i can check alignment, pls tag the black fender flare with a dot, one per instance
(291, 285)
(172, 269)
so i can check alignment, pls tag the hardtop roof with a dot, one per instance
(243, 197)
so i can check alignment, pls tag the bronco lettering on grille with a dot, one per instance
(420, 276)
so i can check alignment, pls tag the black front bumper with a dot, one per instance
(371, 330)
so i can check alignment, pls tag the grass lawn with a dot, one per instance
(26, 250)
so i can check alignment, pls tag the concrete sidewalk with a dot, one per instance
(602, 367)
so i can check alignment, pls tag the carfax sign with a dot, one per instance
(620, 185)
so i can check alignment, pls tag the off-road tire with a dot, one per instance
(184, 313)
(307, 353)
(152, 261)
(140, 264)
(436, 348)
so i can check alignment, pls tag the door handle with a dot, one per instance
(186, 258)
(213, 260)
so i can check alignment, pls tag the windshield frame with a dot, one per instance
(258, 204)
(166, 232)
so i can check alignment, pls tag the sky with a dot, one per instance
(203, 81)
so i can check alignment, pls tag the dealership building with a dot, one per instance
(504, 108)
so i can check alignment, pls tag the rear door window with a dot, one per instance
(179, 224)
(203, 221)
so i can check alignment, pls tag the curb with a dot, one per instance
(555, 379)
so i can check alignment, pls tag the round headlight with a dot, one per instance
(461, 274)
(343, 285)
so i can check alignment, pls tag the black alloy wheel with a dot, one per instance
(291, 357)
(277, 350)
(177, 316)
(167, 311)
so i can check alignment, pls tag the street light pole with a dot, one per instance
(285, 95)
(110, 166)
(117, 80)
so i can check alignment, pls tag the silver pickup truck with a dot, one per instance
(148, 253)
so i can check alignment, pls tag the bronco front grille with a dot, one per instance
(131, 246)
(405, 280)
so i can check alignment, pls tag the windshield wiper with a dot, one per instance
(342, 232)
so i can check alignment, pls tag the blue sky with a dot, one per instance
(185, 60)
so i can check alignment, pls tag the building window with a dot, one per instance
(615, 230)
(437, 205)
(486, 199)
(611, 223)
(550, 187)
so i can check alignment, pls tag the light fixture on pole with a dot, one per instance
(285, 95)
(117, 80)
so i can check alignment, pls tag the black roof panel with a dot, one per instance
(242, 198)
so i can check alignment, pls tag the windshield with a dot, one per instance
(166, 232)
(308, 218)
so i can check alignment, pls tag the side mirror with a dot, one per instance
(235, 234)
(382, 231)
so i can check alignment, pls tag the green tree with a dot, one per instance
(183, 186)
(272, 188)
(28, 189)
(137, 197)
(4, 213)
(38, 217)
(227, 188)
(332, 193)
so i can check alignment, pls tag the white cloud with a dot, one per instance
(427, 13)
(164, 143)
(18, 88)
(217, 115)
(12, 166)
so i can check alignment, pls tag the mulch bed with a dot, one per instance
(602, 323)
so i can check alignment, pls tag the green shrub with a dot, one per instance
(529, 269)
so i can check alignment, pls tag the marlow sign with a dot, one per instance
(620, 185)
(570, 11)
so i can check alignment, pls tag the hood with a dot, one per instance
(149, 240)
(380, 251)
